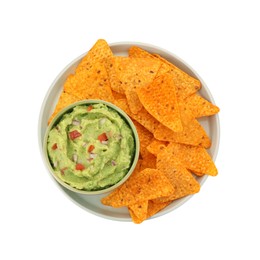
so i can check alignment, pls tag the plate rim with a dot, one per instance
(119, 45)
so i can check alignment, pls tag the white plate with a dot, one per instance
(91, 203)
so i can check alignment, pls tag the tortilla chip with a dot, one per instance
(185, 84)
(148, 161)
(91, 84)
(159, 99)
(182, 180)
(64, 100)
(122, 103)
(136, 52)
(118, 95)
(98, 52)
(115, 83)
(146, 120)
(194, 158)
(156, 146)
(193, 133)
(138, 211)
(200, 107)
(144, 136)
(126, 74)
(133, 101)
(155, 207)
(147, 184)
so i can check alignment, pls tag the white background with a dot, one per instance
(219, 39)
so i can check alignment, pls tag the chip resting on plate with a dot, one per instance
(183, 181)
(146, 185)
(98, 53)
(165, 105)
(65, 99)
(159, 99)
(194, 158)
(200, 107)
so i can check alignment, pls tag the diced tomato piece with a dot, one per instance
(74, 134)
(80, 167)
(54, 147)
(91, 148)
(89, 108)
(102, 137)
(63, 170)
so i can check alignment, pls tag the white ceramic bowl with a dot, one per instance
(92, 203)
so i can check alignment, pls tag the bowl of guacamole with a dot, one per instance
(91, 147)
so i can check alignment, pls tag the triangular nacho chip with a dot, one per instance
(193, 133)
(64, 100)
(155, 207)
(91, 84)
(194, 158)
(183, 181)
(138, 211)
(144, 136)
(98, 52)
(146, 120)
(147, 184)
(155, 146)
(200, 107)
(186, 85)
(126, 74)
(159, 99)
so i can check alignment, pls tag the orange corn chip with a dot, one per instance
(146, 120)
(136, 52)
(200, 107)
(193, 133)
(126, 74)
(156, 146)
(91, 84)
(122, 103)
(194, 158)
(144, 136)
(133, 100)
(159, 99)
(148, 161)
(138, 211)
(185, 84)
(148, 184)
(182, 180)
(115, 83)
(155, 207)
(98, 52)
(118, 95)
(65, 99)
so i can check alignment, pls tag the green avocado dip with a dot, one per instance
(91, 148)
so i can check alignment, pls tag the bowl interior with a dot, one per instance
(92, 204)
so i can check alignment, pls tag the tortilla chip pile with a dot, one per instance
(164, 104)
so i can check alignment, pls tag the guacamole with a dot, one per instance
(91, 148)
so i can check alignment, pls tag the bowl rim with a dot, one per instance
(122, 114)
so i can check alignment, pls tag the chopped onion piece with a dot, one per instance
(92, 155)
(113, 163)
(104, 142)
(102, 121)
(75, 158)
(76, 122)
